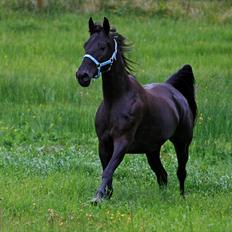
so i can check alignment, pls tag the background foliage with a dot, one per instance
(211, 10)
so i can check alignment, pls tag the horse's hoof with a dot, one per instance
(97, 199)
(183, 195)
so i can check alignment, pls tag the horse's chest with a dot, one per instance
(123, 119)
(120, 119)
(119, 122)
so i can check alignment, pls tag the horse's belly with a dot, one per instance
(150, 137)
(138, 147)
(146, 143)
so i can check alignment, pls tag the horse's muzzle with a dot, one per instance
(83, 78)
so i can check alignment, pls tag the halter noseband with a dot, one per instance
(107, 62)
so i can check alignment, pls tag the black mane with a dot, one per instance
(123, 47)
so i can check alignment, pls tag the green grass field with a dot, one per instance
(49, 166)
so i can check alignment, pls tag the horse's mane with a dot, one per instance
(123, 46)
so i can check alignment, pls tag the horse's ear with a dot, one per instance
(91, 26)
(106, 25)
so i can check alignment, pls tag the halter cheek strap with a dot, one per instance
(107, 62)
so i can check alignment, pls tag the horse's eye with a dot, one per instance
(102, 48)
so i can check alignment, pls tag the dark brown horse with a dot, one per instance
(134, 118)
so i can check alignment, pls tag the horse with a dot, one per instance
(133, 118)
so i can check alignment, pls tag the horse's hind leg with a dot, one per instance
(156, 165)
(182, 158)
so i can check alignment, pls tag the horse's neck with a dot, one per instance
(115, 83)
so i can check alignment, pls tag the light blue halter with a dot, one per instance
(107, 62)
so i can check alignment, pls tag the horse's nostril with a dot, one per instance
(85, 77)
(82, 76)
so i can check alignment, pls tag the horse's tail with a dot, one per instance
(184, 81)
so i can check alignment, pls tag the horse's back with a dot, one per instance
(162, 90)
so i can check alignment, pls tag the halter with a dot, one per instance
(107, 62)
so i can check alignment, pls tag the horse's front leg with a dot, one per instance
(105, 153)
(120, 147)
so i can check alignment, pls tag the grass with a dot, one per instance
(49, 165)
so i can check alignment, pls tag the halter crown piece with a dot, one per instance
(107, 62)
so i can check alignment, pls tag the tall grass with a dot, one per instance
(40, 58)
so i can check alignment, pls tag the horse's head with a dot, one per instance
(100, 52)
